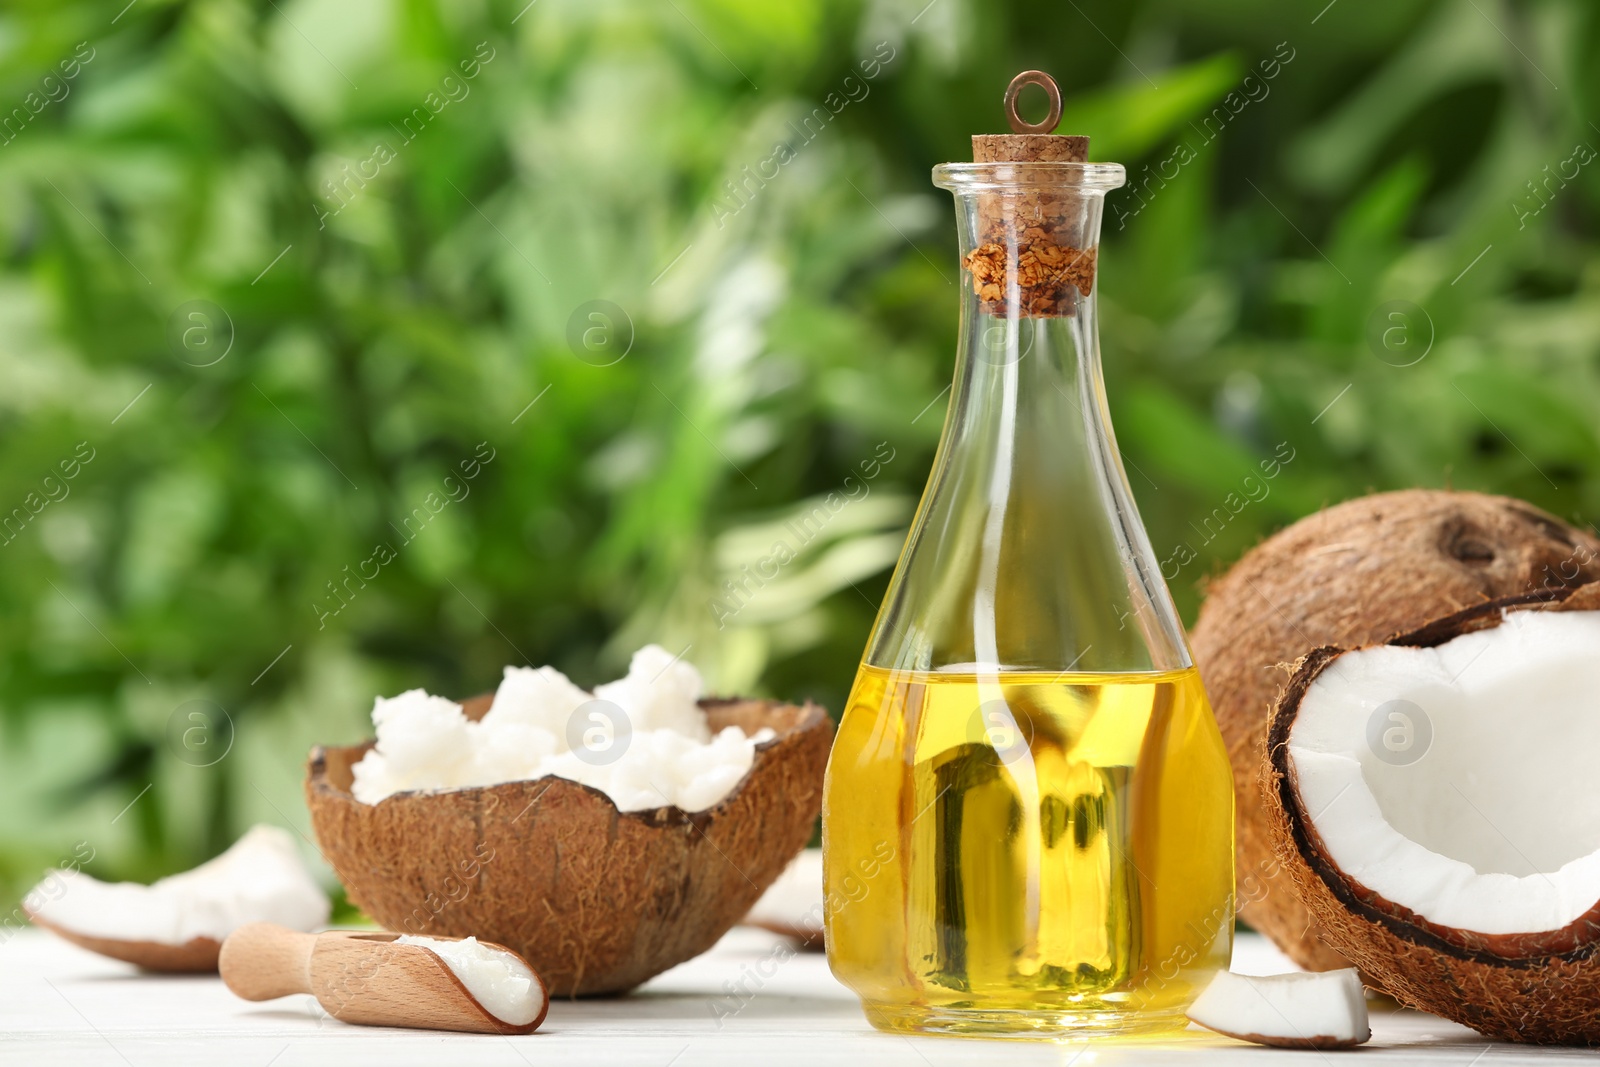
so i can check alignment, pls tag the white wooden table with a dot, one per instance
(61, 1005)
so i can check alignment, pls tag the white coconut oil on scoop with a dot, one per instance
(498, 980)
(642, 740)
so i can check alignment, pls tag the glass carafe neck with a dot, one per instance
(1027, 552)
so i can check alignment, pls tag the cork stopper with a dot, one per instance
(1029, 148)
(1030, 142)
(1029, 257)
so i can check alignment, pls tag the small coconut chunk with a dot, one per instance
(662, 768)
(421, 739)
(659, 692)
(260, 879)
(534, 696)
(1302, 1010)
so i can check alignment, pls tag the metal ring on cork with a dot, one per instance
(1045, 82)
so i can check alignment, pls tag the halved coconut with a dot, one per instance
(595, 899)
(1351, 575)
(1304, 1010)
(1433, 800)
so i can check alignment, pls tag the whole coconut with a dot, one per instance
(1354, 574)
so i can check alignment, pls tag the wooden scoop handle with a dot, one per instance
(262, 961)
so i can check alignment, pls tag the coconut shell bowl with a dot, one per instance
(595, 899)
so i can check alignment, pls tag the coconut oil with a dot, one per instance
(498, 979)
(1036, 851)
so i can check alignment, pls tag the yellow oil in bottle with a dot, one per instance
(1028, 852)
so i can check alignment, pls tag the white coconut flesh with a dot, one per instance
(1457, 781)
(260, 879)
(1320, 1010)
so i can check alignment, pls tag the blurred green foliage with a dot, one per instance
(398, 212)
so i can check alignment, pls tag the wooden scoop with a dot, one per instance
(361, 978)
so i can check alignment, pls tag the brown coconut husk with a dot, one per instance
(1354, 574)
(596, 900)
(195, 956)
(1539, 987)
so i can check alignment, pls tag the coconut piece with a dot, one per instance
(793, 906)
(1302, 1010)
(597, 900)
(1431, 799)
(196, 956)
(180, 922)
(1352, 575)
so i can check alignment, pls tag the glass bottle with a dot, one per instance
(1028, 815)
